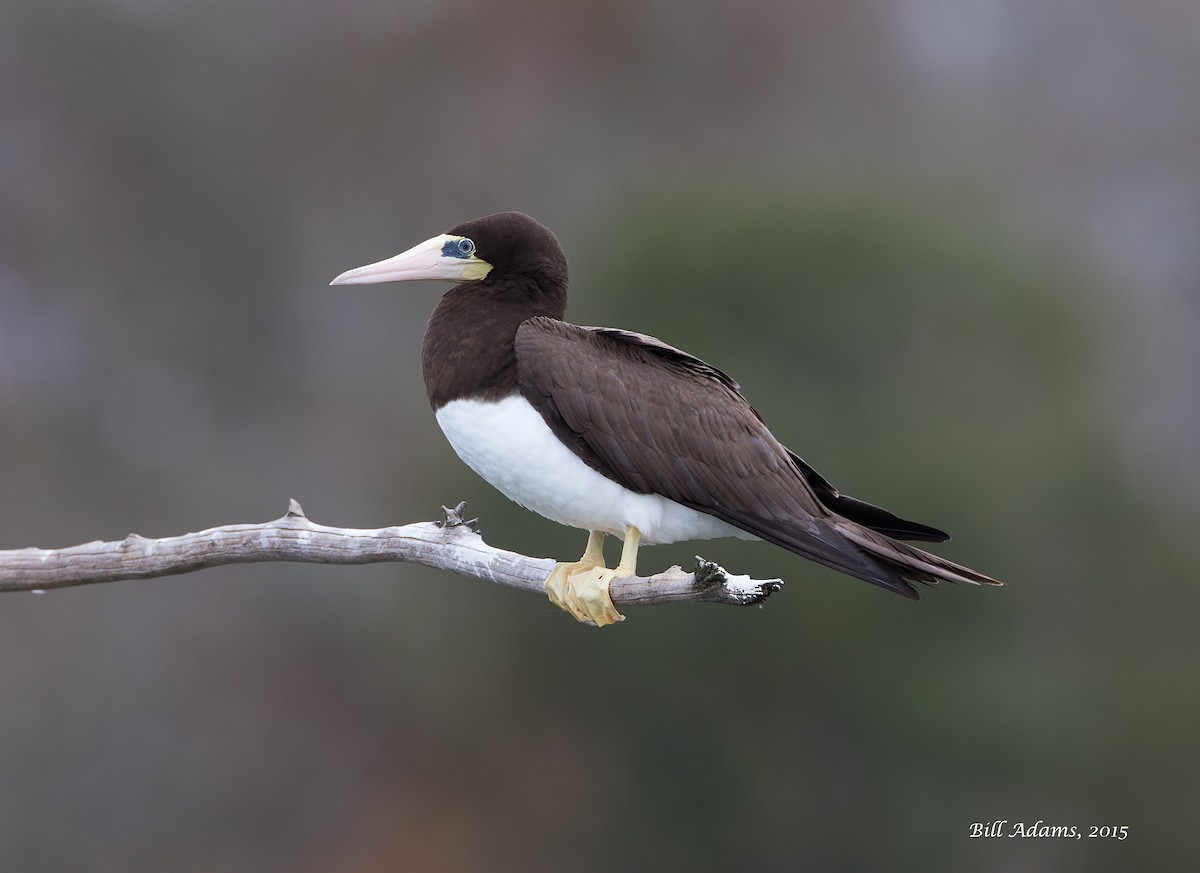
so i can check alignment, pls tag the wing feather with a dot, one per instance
(658, 420)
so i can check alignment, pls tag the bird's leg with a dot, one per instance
(628, 565)
(582, 590)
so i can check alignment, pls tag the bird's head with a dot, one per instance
(504, 245)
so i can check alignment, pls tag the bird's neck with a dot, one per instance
(469, 348)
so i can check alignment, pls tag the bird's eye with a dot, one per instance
(466, 247)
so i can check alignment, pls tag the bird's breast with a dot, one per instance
(509, 444)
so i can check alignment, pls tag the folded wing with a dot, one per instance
(658, 420)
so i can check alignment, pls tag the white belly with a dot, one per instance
(510, 445)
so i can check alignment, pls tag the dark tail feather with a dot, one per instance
(851, 548)
(827, 541)
(866, 514)
(910, 562)
(880, 520)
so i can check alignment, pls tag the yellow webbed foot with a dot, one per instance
(581, 588)
(560, 586)
(584, 593)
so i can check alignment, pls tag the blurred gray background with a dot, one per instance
(948, 248)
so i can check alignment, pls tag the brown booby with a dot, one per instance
(618, 433)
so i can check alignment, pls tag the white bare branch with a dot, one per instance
(452, 545)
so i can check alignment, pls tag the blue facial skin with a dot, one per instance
(458, 248)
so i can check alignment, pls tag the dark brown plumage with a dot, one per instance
(468, 346)
(661, 421)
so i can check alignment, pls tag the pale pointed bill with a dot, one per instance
(425, 260)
